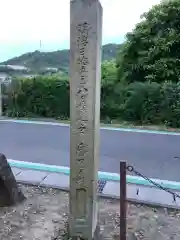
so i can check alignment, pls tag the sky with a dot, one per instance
(25, 22)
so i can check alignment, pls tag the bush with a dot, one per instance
(41, 96)
(170, 111)
(143, 103)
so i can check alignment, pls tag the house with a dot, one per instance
(15, 67)
(29, 76)
(5, 78)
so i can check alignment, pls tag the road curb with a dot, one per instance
(135, 130)
(146, 195)
(102, 175)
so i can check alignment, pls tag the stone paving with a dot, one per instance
(135, 193)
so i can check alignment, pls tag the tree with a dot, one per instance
(151, 51)
(109, 72)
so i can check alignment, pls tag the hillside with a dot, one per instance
(57, 59)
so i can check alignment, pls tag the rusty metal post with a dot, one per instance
(123, 202)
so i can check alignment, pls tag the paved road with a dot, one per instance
(151, 154)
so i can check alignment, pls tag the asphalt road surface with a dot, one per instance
(154, 155)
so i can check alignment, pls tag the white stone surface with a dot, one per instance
(56, 180)
(31, 176)
(85, 75)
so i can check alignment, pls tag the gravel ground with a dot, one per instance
(44, 213)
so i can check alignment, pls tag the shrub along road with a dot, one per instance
(154, 155)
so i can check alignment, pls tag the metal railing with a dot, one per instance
(124, 168)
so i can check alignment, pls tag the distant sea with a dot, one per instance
(10, 50)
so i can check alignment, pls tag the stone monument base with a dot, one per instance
(97, 235)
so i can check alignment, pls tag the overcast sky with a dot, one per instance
(25, 22)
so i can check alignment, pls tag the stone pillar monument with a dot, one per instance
(85, 82)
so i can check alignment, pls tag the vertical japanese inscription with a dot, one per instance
(82, 62)
(82, 148)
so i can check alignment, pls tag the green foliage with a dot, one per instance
(142, 86)
(37, 60)
(171, 104)
(109, 51)
(143, 103)
(41, 96)
(109, 72)
(151, 52)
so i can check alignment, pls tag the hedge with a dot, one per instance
(142, 103)
(41, 96)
